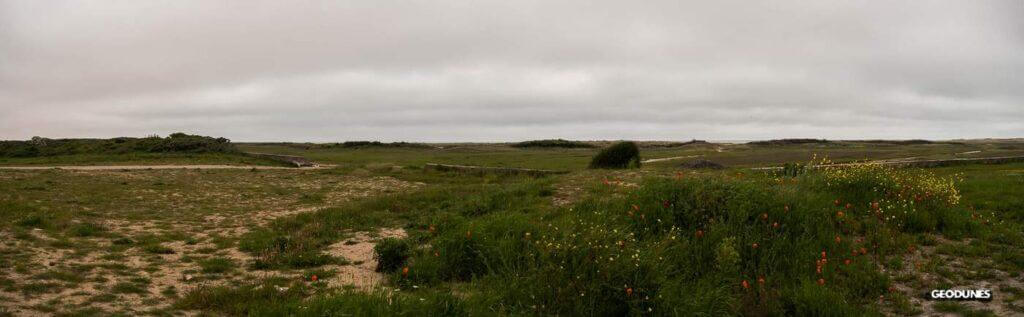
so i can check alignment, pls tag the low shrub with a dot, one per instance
(391, 254)
(619, 155)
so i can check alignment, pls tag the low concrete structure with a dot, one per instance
(298, 161)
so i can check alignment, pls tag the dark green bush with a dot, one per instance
(619, 155)
(391, 254)
(175, 143)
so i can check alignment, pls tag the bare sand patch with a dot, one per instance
(913, 263)
(358, 250)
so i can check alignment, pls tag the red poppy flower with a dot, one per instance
(745, 284)
(405, 271)
(700, 233)
(821, 281)
(313, 278)
(840, 214)
(836, 202)
(775, 225)
(754, 245)
(629, 291)
(847, 262)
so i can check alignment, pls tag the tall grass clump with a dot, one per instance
(391, 254)
(619, 155)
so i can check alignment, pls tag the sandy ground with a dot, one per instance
(178, 269)
(358, 250)
(915, 260)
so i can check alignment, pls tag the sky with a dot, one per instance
(478, 71)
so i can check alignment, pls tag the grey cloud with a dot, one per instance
(512, 70)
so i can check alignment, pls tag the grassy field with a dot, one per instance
(139, 159)
(378, 235)
(733, 155)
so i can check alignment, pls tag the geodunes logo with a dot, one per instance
(960, 294)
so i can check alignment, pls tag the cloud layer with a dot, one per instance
(512, 70)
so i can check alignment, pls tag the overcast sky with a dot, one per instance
(512, 70)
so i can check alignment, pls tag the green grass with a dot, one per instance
(633, 250)
(141, 159)
(157, 249)
(217, 265)
(135, 286)
(569, 244)
(732, 155)
(295, 242)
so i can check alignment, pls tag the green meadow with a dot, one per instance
(371, 232)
